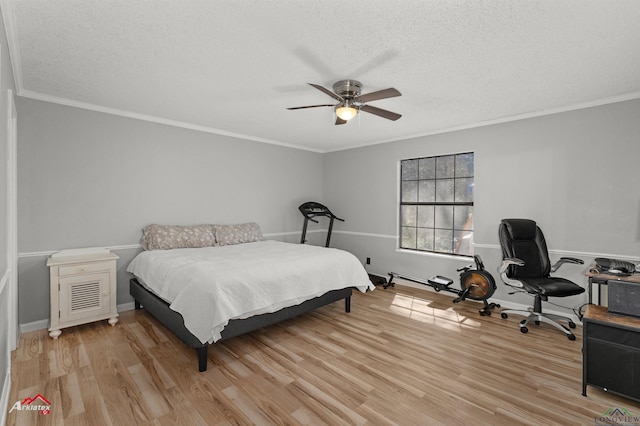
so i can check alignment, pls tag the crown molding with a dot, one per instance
(137, 116)
(144, 117)
(550, 111)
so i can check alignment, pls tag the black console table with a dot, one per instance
(611, 352)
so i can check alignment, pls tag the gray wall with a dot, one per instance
(90, 179)
(93, 179)
(575, 173)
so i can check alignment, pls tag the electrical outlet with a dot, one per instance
(368, 261)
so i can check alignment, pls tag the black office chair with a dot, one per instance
(526, 267)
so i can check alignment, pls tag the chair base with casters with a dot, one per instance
(534, 314)
(526, 268)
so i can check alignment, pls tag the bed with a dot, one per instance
(208, 283)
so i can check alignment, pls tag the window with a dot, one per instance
(436, 204)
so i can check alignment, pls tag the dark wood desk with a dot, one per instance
(602, 279)
(611, 352)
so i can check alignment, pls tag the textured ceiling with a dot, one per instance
(233, 67)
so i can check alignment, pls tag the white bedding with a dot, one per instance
(210, 286)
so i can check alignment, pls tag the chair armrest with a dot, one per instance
(564, 260)
(504, 266)
(506, 262)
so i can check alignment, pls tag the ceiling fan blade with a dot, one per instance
(380, 112)
(327, 91)
(340, 121)
(380, 94)
(312, 106)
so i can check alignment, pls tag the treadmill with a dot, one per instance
(310, 210)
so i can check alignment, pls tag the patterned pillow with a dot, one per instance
(237, 234)
(166, 237)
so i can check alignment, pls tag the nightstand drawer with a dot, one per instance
(85, 268)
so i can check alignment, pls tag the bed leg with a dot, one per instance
(347, 304)
(202, 358)
(137, 305)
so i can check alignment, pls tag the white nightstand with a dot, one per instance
(83, 288)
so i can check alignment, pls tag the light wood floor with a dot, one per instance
(403, 356)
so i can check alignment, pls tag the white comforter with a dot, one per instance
(212, 285)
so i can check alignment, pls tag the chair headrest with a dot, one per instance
(521, 229)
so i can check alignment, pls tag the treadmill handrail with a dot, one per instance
(311, 209)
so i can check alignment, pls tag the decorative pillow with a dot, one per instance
(237, 234)
(166, 237)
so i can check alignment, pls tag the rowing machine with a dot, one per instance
(475, 284)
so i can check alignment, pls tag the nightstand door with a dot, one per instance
(84, 296)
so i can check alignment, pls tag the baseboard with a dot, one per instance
(33, 326)
(4, 399)
(40, 324)
(129, 306)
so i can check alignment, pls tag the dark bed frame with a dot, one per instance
(174, 321)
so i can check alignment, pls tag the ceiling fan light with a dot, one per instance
(346, 113)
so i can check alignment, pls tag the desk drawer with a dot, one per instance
(85, 268)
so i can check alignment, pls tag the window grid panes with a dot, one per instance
(436, 205)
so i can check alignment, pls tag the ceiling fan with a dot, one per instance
(350, 101)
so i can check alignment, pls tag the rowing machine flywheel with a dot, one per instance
(480, 283)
